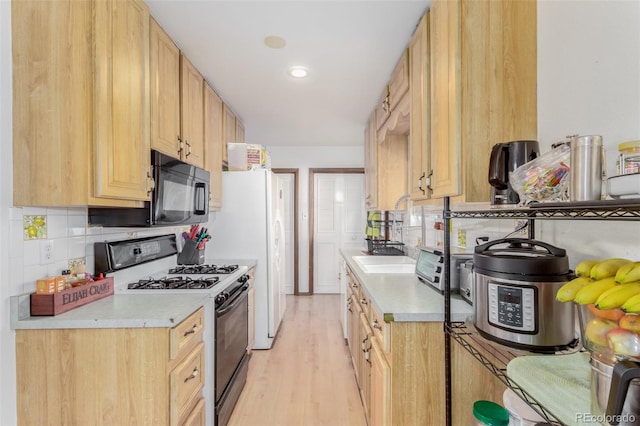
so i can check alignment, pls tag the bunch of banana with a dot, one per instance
(584, 268)
(568, 292)
(632, 305)
(590, 292)
(628, 273)
(616, 296)
(607, 268)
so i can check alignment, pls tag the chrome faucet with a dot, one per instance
(395, 213)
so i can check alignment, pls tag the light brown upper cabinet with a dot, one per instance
(233, 130)
(392, 110)
(76, 140)
(191, 113)
(482, 89)
(213, 137)
(419, 165)
(370, 163)
(165, 92)
(176, 101)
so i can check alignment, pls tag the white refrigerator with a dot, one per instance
(249, 226)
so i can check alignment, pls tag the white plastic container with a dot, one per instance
(520, 413)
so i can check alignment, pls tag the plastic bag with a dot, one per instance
(545, 178)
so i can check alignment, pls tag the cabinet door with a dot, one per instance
(445, 103)
(192, 113)
(213, 144)
(122, 123)
(239, 131)
(353, 317)
(380, 396)
(419, 134)
(165, 92)
(370, 163)
(364, 364)
(399, 81)
(383, 108)
(229, 130)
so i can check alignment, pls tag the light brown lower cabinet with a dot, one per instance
(401, 380)
(470, 382)
(112, 376)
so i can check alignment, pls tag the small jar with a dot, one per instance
(488, 413)
(629, 159)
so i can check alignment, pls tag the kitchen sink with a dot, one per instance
(386, 264)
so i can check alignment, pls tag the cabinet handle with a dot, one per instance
(193, 375)
(420, 184)
(376, 325)
(151, 183)
(188, 148)
(364, 348)
(363, 301)
(354, 285)
(428, 180)
(180, 146)
(192, 331)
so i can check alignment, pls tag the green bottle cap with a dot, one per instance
(490, 413)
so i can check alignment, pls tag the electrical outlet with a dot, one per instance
(46, 252)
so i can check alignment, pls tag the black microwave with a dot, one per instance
(180, 196)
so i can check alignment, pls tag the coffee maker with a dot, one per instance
(505, 158)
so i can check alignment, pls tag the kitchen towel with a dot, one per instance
(373, 229)
(560, 383)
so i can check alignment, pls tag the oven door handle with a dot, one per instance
(231, 304)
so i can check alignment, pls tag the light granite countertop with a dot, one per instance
(404, 298)
(125, 309)
(117, 311)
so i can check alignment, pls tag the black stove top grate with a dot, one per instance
(175, 283)
(204, 269)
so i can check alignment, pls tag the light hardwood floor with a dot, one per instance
(307, 377)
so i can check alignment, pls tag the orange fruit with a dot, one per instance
(610, 314)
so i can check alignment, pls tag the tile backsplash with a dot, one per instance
(46, 241)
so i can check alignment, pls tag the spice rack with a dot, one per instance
(496, 357)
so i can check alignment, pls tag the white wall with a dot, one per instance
(305, 158)
(7, 356)
(589, 83)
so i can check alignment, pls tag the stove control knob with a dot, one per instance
(220, 299)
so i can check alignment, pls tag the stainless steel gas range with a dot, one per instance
(226, 319)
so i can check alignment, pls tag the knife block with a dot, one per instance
(190, 255)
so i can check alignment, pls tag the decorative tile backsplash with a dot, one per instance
(46, 241)
(34, 227)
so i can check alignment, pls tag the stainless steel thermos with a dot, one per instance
(586, 175)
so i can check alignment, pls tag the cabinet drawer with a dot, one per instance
(364, 303)
(187, 380)
(197, 415)
(185, 333)
(380, 330)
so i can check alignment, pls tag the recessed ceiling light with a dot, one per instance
(298, 72)
(274, 42)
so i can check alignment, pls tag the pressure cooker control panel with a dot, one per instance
(512, 307)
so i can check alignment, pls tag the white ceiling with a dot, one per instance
(349, 47)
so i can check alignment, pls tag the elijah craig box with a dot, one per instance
(57, 303)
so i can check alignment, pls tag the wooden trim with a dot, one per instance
(312, 173)
(296, 271)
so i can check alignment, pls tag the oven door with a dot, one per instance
(181, 193)
(232, 320)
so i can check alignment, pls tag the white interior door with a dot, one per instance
(339, 221)
(288, 185)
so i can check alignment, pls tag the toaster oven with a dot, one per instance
(430, 269)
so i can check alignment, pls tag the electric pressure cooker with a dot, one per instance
(515, 285)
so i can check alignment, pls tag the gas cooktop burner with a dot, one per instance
(203, 269)
(175, 283)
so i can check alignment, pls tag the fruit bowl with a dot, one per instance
(610, 331)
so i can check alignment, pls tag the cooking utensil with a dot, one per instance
(515, 284)
(615, 389)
